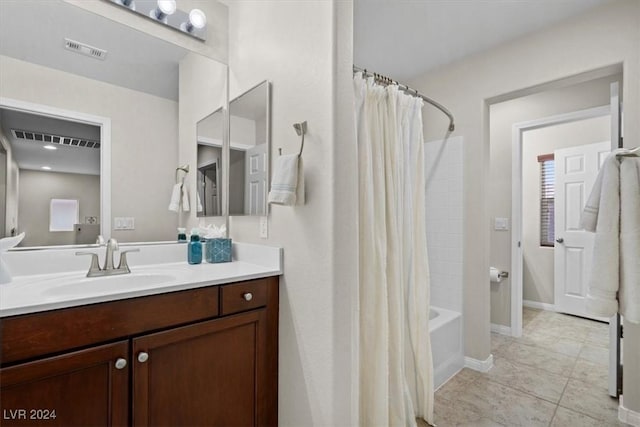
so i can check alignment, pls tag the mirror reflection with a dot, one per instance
(76, 61)
(249, 152)
(209, 162)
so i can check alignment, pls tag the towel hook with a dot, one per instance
(301, 129)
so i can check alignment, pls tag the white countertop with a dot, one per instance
(41, 292)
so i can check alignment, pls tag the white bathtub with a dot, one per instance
(445, 328)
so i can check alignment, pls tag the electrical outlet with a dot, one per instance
(264, 227)
(501, 224)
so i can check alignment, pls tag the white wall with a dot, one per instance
(36, 191)
(144, 130)
(304, 49)
(504, 115)
(604, 36)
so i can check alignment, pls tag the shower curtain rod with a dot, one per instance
(386, 80)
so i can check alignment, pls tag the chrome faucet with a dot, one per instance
(108, 269)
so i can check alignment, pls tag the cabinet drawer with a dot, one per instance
(243, 296)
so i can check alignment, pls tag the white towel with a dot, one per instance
(613, 213)
(287, 186)
(185, 198)
(601, 215)
(629, 293)
(174, 204)
(198, 202)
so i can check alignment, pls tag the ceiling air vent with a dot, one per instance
(85, 49)
(69, 141)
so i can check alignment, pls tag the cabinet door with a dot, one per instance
(206, 374)
(82, 388)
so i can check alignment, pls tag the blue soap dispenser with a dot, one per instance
(194, 248)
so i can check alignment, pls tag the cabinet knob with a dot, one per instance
(247, 296)
(143, 357)
(121, 363)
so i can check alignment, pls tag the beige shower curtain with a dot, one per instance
(396, 373)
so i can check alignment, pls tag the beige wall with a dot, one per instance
(144, 130)
(36, 191)
(503, 116)
(304, 49)
(607, 35)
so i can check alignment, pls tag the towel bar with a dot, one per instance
(301, 129)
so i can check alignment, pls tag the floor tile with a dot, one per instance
(528, 314)
(593, 373)
(540, 338)
(499, 340)
(460, 413)
(534, 381)
(598, 337)
(457, 385)
(567, 418)
(506, 405)
(595, 354)
(539, 358)
(587, 399)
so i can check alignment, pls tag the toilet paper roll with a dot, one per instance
(494, 275)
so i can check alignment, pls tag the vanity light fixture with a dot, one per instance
(50, 147)
(197, 20)
(47, 168)
(166, 12)
(164, 9)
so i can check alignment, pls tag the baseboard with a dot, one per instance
(538, 305)
(479, 365)
(501, 329)
(627, 415)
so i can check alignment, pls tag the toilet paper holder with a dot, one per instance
(503, 274)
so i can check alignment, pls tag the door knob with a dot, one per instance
(143, 357)
(560, 240)
(121, 363)
(248, 296)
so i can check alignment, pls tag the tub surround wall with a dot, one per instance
(443, 163)
(606, 35)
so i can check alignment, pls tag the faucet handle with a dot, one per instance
(112, 243)
(95, 265)
(123, 259)
(100, 240)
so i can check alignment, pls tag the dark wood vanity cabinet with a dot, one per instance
(215, 368)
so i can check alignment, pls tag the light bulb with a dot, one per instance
(168, 7)
(197, 18)
(50, 147)
(47, 168)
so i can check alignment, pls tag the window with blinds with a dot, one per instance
(547, 199)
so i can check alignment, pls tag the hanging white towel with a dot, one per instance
(185, 198)
(198, 202)
(629, 293)
(174, 204)
(613, 213)
(287, 187)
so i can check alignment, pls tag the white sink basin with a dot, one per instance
(83, 285)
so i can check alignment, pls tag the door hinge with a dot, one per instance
(621, 331)
(519, 243)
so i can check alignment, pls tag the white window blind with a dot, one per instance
(547, 200)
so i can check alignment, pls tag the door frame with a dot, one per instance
(517, 260)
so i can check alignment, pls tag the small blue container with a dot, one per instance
(218, 250)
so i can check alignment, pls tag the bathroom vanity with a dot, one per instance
(204, 355)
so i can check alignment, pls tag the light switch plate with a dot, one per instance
(124, 223)
(501, 224)
(264, 227)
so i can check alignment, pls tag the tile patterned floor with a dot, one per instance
(554, 375)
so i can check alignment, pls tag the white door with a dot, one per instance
(255, 180)
(576, 169)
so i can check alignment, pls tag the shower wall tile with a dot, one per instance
(443, 162)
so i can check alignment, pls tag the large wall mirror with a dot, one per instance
(92, 112)
(248, 154)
